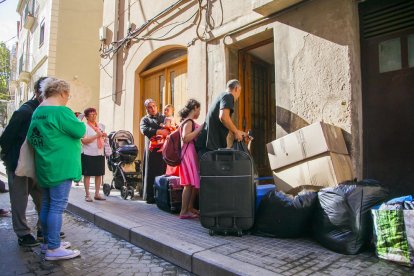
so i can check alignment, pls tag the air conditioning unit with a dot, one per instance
(102, 33)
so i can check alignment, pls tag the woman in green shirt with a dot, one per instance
(55, 135)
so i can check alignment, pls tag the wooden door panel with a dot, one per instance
(178, 87)
(257, 108)
(151, 86)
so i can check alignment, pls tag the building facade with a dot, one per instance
(58, 38)
(299, 62)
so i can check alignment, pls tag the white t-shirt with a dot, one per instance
(92, 149)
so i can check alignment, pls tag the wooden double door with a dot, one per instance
(166, 84)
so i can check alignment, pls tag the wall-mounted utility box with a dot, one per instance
(102, 33)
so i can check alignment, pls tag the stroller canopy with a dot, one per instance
(120, 138)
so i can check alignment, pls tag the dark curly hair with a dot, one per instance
(89, 110)
(190, 105)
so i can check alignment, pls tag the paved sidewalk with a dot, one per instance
(187, 244)
(102, 253)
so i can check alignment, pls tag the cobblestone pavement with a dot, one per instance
(101, 252)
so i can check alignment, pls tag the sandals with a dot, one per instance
(99, 198)
(88, 198)
(193, 216)
(195, 212)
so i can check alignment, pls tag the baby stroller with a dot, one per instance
(126, 171)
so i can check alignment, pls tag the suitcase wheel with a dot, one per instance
(211, 232)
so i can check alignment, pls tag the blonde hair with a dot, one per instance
(51, 87)
(170, 106)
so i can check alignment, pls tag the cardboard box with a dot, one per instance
(305, 143)
(324, 170)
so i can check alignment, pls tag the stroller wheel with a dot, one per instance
(106, 189)
(124, 192)
(131, 191)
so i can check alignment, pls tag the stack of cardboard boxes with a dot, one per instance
(315, 155)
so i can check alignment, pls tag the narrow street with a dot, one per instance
(101, 252)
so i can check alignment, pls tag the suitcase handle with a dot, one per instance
(241, 146)
(225, 149)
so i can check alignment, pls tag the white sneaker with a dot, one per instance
(63, 244)
(61, 254)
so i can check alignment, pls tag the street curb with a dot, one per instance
(198, 260)
(165, 246)
(208, 262)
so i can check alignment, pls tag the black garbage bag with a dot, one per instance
(342, 220)
(284, 216)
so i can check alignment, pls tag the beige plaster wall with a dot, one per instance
(317, 75)
(316, 47)
(106, 105)
(138, 55)
(77, 45)
(317, 70)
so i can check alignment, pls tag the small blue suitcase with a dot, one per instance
(167, 193)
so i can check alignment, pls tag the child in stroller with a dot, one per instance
(126, 171)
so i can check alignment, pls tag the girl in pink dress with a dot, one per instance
(189, 167)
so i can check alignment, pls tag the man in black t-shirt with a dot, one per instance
(218, 120)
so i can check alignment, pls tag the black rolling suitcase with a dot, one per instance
(167, 193)
(227, 191)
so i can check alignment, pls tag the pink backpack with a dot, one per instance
(171, 150)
